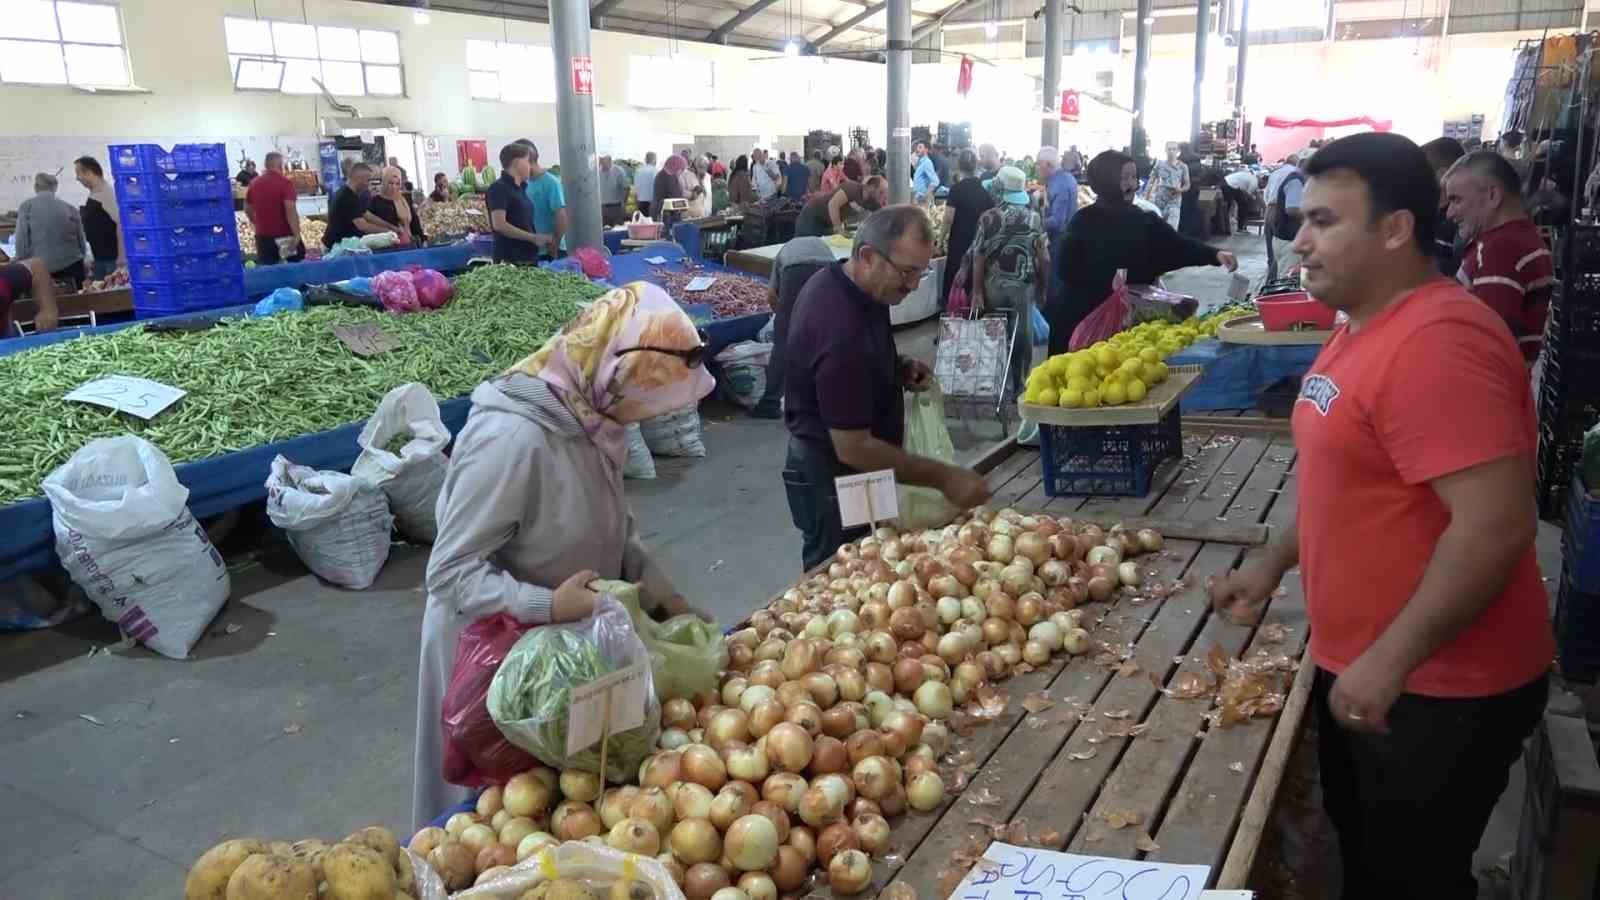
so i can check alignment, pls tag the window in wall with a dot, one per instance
(286, 56)
(60, 42)
(514, 73)
(671, 82)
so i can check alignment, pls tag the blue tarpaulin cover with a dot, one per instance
(1236, 374)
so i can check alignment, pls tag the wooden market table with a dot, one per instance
(91, 305)
(1202, 794)
(920, 304)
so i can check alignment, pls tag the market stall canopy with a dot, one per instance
(1370, 122)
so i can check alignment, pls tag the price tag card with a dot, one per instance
(867, 498)
(586, 709)
(1008, 871)
(136, 396)
(655, 260)
(365, 338)
(699, 283)
(1238, 288)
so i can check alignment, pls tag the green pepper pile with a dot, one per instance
(255, 381)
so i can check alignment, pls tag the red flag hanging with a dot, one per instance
(964, 79)
(1069, 106)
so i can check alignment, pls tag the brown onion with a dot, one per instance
(839, 722)
(872, 832)
(803, 839)
(879, 677)
(789, 747)
(828, 754)
(906, 624)
(704, 879)
(790, 870)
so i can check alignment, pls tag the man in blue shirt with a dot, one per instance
(924, 178)
(1061, 193)
(511, 212)
(797, 178)
(549, 202)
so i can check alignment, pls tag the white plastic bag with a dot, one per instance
(674, 433)
(743, 377)
(25, 604)
(639, 463)
(410, 473)
(428, 885)
(596, 865)
(337, 524)
(926, 435)
(125, 535)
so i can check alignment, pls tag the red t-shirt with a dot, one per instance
(266, 195)
(1509, 268)
(1431, 386)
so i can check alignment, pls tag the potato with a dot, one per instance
(560, 889)
(279, 848)
(405, 878)
(208, 877)
(266, 876)
(378, 838)
(423, 842)
(310, 851)
(357, 872)
(456, 864)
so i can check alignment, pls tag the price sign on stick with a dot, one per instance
(699, 283)
(610, 703)
(1019, 872)
(867, 499)
(136, 396)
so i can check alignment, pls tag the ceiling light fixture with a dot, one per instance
(792, 48)
(991, 29)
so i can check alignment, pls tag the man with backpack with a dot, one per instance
(1284, 187)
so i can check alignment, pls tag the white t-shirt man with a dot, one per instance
(1244, 180)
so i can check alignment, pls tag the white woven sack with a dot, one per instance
(674, 433)
(125, 535)
(411, 478)
(337, 524)
(639, 464)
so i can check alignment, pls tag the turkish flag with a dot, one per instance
(964, 79)
(1069, 106)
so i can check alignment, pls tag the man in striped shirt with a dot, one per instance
(1506, 263)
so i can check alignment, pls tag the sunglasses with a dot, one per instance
(692, 358)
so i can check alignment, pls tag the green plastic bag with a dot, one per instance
(686, 652)
(926, 435)
(529, 694)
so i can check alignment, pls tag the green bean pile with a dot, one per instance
(256, 381)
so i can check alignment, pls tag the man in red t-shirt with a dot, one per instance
(1506, 263)
(270, 205)
(1414, 530)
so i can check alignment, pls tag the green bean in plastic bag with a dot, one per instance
(529, 694)
(686, 652)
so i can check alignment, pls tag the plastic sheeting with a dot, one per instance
(263, 280)
(1236, 374)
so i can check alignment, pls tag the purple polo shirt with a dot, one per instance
(841, 368)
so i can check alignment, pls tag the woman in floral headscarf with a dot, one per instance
(532, 509)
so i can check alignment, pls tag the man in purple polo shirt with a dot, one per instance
(843, 381)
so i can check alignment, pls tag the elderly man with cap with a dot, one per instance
(51, 229)
(1284, 187)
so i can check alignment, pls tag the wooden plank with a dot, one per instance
(1253, 822)
(1241, 425)
(1016, 465)
(1214, 532)
(1009, 778)
(1149, 411)
(1025, 480)
(994, 456)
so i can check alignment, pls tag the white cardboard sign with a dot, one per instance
(135, 396)
(699, 283)
(628, 690)
(867, 498)
(655, 260)
(1008, 872)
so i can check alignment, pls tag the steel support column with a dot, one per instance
(899, 96)
(1050, 127)
(570, 39)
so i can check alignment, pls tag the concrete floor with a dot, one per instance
(294, 716)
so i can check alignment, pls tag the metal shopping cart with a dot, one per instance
(973, 365)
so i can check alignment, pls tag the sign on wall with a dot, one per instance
(582, 75)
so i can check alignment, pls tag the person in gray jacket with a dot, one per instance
(51, 230)
(532, 509)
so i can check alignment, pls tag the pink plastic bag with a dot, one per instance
(433, 289)
(960, 301)
(593, 262)
(1108, 318)
(396, 291)
(475, 752)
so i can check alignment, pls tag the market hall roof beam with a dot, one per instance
(928, 28)
(603, 7)
(720, 33)
(847, 24)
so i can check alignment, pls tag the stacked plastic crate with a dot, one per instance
(178, 227)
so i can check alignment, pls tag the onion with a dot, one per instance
(1030, 609)
(996, 631)
(801, 658)
(731, 691)
(936, 736)
(819, 807)
(849, 873)
(1100, 589)
(835, 839)
(614, 805)
(533, 843)
(458, 823)
(770, 712)
(1035, 653)
(491, 801)
(908, 675)
(574, 821)
(703, 766)
(526, 795)
(804, 840)
(789, 693)
(758, 886)
(925, 792)
(653, 806)
(948, 609)
(1067, 620)
(660, 770)
(1033, 546)
(1064, 547)
(1000, 605)
(917, 763)
(775, 812)
(494, 859)
(973, 609)
(1076, 642)
(1047, 633)
(839, 722)
(771, 649)
(1001, 548)
(1149, 540)
(790, 870)
(1016, 634)
(807, 715)
(692, 801)
(824, 691)
(703, 880)
(994, 668)
(478, 836)
(695, 840)
(633, 835)
(1010, 654)
(908, 725)
(730, 893)
(882, 646)
(785, 789)
(1104, 555)
(767, 673)
(828, 754)
(852, 685)
(752, 843)
(1128, 574)
(873, 777)
(1015, 580)
(677, 713)
(671, 739)
(863, 745)
(731, 803)
(906, 624)
(934, 700)
(953, 648)
(789, 747)
(947, 586)
(961, 560)
(880, 704)
(901, 594)
(748, 764)
(733, 725)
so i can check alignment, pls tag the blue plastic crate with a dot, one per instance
(187, 296)
(151, 159)
(172, 212)
(144, 243)
(1106, 460)
(145, 187)
(1580, 540)
(1577, 626)
(187, 266)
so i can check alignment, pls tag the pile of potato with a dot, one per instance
(367, 865)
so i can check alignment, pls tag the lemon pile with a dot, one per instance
(1120, 370)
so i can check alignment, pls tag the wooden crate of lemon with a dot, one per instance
(1122, 381)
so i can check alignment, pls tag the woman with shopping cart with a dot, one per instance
(1010, 259)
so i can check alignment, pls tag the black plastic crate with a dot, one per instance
(1106, 460)
(1577, 625)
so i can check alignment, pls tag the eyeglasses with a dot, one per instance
(692, 358)
(910, 275)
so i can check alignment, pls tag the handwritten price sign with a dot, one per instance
(1008, 872)
(136, 396)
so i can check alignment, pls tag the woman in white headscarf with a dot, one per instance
(532, 508)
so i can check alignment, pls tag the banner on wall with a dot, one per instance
(1370, 122)
(1069, 106)
(964, 77)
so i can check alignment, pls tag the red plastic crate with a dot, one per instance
(1295, 311)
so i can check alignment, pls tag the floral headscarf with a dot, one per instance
(675, 164)
(604, 388)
